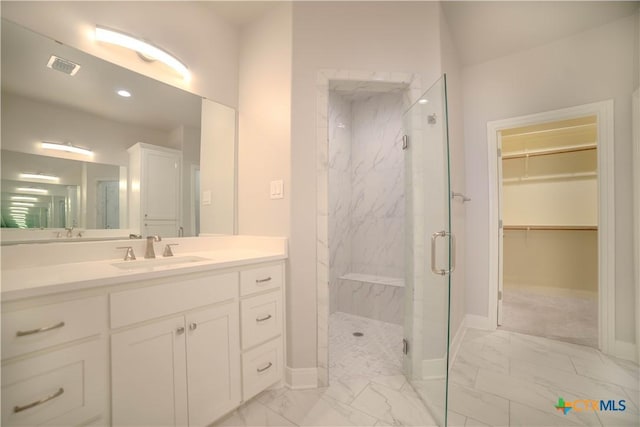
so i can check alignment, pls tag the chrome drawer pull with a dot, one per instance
(36, 331)
(17, 409)
(268, 279)
(262, 319)
(265, 368)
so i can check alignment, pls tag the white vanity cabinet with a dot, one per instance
(180, 371)
(154, 189)
(54, 362)
(183, 369)
(261, 314)
(181, 349)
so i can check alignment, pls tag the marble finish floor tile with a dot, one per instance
(502, 378)
(366, 385)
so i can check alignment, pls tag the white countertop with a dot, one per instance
(33, 281)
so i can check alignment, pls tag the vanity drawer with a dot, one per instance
(138, 305)
(63, 387)
(261, 368)
(261, 318)
(36, 328)
(260, 279)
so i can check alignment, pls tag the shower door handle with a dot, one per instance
(452, 251)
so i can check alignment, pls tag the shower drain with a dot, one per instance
(358, 334)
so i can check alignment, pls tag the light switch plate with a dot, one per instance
(277, 189)
(206, 197)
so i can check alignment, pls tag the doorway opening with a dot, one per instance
(573, 180)
(548, 273)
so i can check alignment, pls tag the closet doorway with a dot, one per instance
(552, 216)
(549, 235)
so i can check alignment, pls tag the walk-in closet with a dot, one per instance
(549, 206)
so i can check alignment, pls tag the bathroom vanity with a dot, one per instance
(179, 340)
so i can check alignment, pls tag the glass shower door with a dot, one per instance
(430, 248)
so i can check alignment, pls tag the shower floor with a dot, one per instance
(378, 352)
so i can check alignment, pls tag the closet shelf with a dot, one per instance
(562, 150)
(551, 227)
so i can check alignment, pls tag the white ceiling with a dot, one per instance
(487, 30)
(481, 31)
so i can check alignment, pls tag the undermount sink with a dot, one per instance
(157, 262)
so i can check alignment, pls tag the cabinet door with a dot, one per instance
(161, 185)
(213, 363)
(149, 384)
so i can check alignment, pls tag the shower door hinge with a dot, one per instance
(405, 346)
(499, 295)
(405, 142)
(499, 223)
(499, 152)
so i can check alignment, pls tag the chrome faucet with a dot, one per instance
(149, 252)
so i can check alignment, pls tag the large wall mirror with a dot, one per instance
(45, 100)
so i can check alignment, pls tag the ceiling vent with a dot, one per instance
(63, 65)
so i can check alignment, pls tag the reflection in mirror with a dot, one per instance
(80, 194)
(42, 103)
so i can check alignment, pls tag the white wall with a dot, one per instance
(591, 66)
(264, 123)
(189, 30)
(453, 69)
(370, 36)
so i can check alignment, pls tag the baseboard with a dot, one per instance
(301, 378)
(478, 322)
(455, 342)
(625, 350)
(433, 369)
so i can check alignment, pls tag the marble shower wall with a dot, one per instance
(339, 193)
(377, 195)
(366, 189)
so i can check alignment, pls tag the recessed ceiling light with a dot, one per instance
(423, 101)
(124, 93)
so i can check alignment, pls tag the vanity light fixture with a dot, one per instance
(145, 50)
(31, 205)
(18, 209)
(66, 147)
(124, 93)
(39, 176)
(32, 190)
(25, 198)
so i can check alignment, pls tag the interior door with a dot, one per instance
(430, 248)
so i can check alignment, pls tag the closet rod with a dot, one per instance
(549, 152)
(551, 227)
